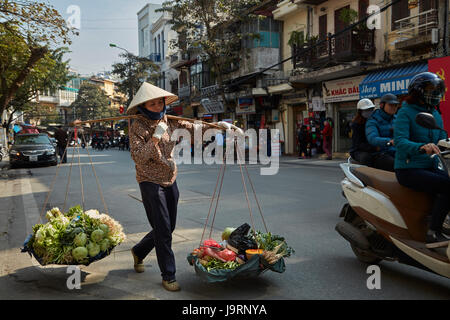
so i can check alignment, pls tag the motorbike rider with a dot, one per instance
(379, 132)
(414, 166)
(361, 150)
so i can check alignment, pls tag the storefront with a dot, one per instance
(441, 66)
(393, 80)
(294, 106)
(341, 97)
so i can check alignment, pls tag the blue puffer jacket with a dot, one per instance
(409, 137)
(379, 130)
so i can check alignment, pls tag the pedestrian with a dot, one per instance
(380, 132)
(361, 150)
(327, 134)
(156, 172)
(304, 139)
(414, 166)
(61, 143)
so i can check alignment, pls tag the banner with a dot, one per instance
(441, 66)
(341, 90)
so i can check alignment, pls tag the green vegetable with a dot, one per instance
(97, 235)
(80, 240)
(226, 233)
(93, 248)
(80, 253)
(217, 264)
(268, 241)
(104, 228)
(104, 245)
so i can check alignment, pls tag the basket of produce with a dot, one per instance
(73, 238)
(239, 255)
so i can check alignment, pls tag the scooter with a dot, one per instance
(384, 220)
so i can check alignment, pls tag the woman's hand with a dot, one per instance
(155, 140)
(430, 149)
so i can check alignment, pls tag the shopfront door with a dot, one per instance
(345, 115)
(298, 122)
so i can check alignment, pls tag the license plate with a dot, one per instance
(33, 158)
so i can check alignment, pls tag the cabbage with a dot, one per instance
(80, 239)
(80, 253)
(226, 233)
(93, 248)
(104, 228)
(40, 236)
(97, 235)
(104, 245)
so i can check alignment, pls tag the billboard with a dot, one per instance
(441, 66)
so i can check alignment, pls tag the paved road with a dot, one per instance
(301, 202)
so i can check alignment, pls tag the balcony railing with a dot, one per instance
(416, 30)
(354, 44)
(155, 57)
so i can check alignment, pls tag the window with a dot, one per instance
(340, 25)
(162, 43)
(322, 27)
(399, 11)
(362, 8)
(159, 44)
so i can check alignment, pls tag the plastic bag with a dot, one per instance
(239, 239)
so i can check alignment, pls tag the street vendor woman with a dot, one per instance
(156, 172)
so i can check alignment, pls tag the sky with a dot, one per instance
(102, 22)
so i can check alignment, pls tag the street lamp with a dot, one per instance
(130, 89)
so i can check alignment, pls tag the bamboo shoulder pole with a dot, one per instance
(78, 123)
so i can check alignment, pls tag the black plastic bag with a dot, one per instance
(240, 240)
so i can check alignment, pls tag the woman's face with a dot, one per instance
(156, 105)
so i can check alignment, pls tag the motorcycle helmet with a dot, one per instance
(428, 88)
(365, 104)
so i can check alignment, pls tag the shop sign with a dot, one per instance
(341, 90)
(441, 66)
(245, 105)
(317, 104)
(212, 106)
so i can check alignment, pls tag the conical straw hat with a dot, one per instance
(149, 92)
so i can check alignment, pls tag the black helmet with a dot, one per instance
(389, 98)
(428, 88)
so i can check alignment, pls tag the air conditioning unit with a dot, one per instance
(435, 36)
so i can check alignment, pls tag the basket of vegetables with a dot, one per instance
(74, 238)
(239, 255)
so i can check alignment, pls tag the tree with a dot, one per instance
(50, 73)
(91, 103)
(214, 27)
(133, 72)
(35, 27)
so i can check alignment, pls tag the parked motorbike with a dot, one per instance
(384, 220)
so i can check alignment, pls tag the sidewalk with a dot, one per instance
(315, 161)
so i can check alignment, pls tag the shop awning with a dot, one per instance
(394, 80)
(280, 88)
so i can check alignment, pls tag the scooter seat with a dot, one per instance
(413, 206)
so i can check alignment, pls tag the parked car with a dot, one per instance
(32, 149)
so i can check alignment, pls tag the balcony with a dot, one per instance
(415, 32)
(155, 57)
(349, 46)
(178, 60)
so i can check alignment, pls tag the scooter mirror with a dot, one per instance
(426, 120)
